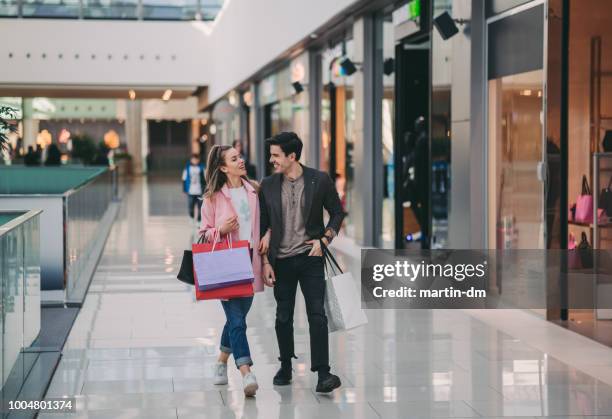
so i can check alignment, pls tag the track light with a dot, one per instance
(389, 66)
(446, 25)
(348, 66)
(297, 86)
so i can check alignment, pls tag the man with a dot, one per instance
(193, 184)
(292, 202)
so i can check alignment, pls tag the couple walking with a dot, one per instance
(283, 220)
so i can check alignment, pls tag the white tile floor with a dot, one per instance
(143, 348)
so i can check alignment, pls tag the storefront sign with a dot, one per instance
(410, 19)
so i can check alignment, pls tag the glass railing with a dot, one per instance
(20, 294)
(85, 210)
(112, 9)
(76, 217)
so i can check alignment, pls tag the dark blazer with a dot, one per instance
(319, 193)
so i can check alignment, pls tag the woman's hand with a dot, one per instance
(268, 275)
(264, 243)
(231, 224)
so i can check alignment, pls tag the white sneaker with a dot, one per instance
(220, 375)
(250, 384)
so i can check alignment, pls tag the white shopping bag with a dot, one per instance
(342, 299)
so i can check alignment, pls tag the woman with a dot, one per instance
(231, 207)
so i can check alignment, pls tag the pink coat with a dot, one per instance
(218, 209)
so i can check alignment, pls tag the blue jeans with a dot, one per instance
(234, 339)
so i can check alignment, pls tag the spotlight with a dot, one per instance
(348, 66)
(389, 66)
(445, 25)
(298, 87)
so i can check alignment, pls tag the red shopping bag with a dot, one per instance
(231, 291)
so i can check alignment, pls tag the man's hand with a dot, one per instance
(316, 247)
(264, 243)
(231, 224)
(268, 275)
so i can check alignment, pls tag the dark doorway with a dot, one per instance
(412, 150)
(169, 145)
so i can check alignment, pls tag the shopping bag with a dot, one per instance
(219, 265)
(342, 300)
(234, 291)
(584, 204)
(185, 273)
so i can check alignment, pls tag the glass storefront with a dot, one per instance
(338, 124)
(515, 130)
(284, 98)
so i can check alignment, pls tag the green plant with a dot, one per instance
(6, 126)
(83, 148)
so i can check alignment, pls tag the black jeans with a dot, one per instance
(309, 272)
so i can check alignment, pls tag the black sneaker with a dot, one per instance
(328, 383)
(282, 377)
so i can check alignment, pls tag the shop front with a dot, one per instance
(283, 97)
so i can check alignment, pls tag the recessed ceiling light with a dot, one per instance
(132, 94)
(167, 94)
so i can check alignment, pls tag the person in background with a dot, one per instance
(54, 156)
(193, 184)
(31, 158)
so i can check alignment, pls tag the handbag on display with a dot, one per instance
(584, 204)
(220, 265)
(585, 252)
(573, 258)
(605, 199)
(342, 299)
(185, 273)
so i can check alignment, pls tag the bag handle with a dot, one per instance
(329, 257)
(201, 239)
(217, 238)
(586, 190)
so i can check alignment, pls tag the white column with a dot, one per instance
(133, 131)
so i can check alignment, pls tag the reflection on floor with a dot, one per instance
(142, 347)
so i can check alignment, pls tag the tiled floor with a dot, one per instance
(142, 347)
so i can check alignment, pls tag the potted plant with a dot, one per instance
(7, 114)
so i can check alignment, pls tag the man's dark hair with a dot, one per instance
(289, 142)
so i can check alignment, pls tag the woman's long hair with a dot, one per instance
(214, 177)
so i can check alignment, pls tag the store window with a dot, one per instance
(515, 131)
(338, 124)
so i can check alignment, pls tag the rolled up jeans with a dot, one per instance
(234, 339)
